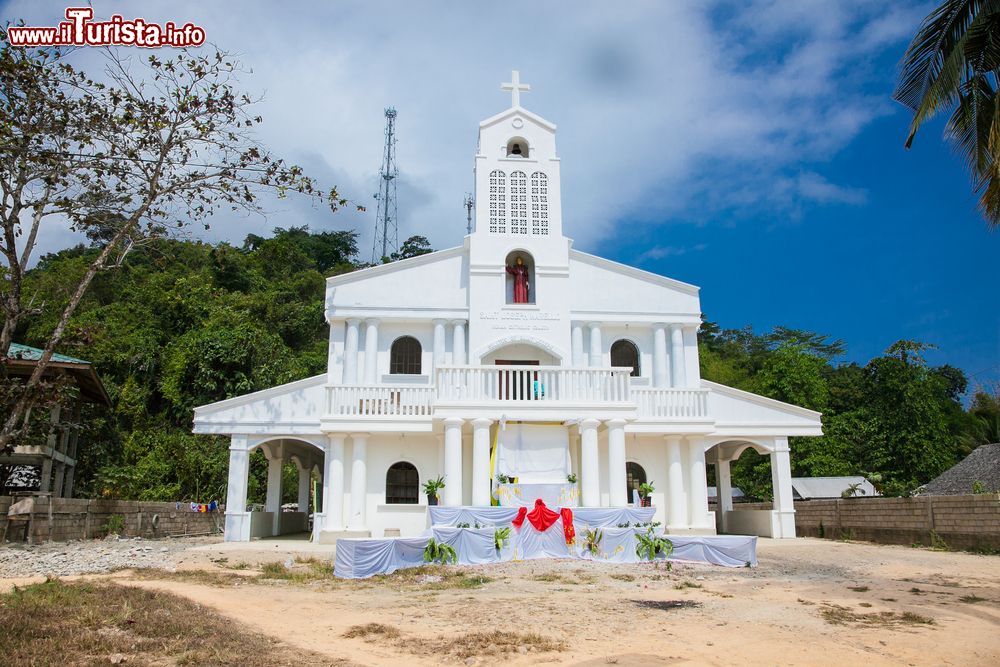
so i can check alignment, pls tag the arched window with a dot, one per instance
(539, 204)
(498, 202)
(625, 353)
(517, 147)
(402, 484)
(635, 475)
(518, 203)
(404, 357)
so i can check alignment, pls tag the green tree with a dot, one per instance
(413, 247)
(151, 148)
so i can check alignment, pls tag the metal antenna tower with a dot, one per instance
(386, 231)
(469, 203)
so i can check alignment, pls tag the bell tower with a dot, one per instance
(517, 173)
(518, 256)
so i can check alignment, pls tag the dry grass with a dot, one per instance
(56, 623)
(971, 599)
(433, 577)
(623, 577)
(859, 589)
(374, 630)
(838, 615)
(495, 643)
(686, 584)
(312, 572)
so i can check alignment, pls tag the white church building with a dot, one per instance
(573, 377)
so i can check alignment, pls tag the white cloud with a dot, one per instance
(660, 106)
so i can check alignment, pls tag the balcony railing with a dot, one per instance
(379, 401)
(521, 385)
(542, 384)
(663, 403)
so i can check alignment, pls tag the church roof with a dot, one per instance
(507, 113)
(641, 274)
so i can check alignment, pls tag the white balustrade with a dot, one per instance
(487, 384)
(483, 385)
(664, 403)
(379, 401)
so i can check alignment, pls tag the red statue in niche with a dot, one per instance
(521, 284)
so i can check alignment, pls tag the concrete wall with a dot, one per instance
(963, 522)
(61, 519)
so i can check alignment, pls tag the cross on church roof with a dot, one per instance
(515, 87)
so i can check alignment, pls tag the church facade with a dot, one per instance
(512, 367)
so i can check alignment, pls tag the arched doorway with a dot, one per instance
(281, 487)
(635, 476)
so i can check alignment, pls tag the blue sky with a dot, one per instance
(751, 148)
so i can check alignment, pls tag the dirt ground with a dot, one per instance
(810, 602)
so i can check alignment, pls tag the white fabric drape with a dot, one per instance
(484, 516)
(363, 557)
(611, 516)
(534, 453)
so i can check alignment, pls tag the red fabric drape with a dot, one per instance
(568, 530)
(542, 517)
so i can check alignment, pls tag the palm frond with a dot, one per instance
(937, 58)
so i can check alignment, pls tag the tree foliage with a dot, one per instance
(183, 323)
(124, 159)
(894, 416)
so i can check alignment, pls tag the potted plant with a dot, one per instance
(431, 488)
(571, 478)
(645, 489)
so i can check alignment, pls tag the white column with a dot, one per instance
(439, 334)
(660, 376)
(724, 488)
(273, 499)
(616, 462)
(677, 506)
(333, 483)
(304, 490)
(331, 361)
(351, 352)
(480, 462)
(371, 351)
(698, 484)
(692, 373)
(452, 461)
(359, 482)
(578, 358)
(590, 483)
(677, 356)
(783, 525)
(596, 354)
(458, 343)
(237, 517)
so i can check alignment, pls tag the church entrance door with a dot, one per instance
(516, 384)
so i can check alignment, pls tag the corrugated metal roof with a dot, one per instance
(806, 488)
(28, 353)
(713, 492)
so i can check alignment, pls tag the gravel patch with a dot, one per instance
(59, 559)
